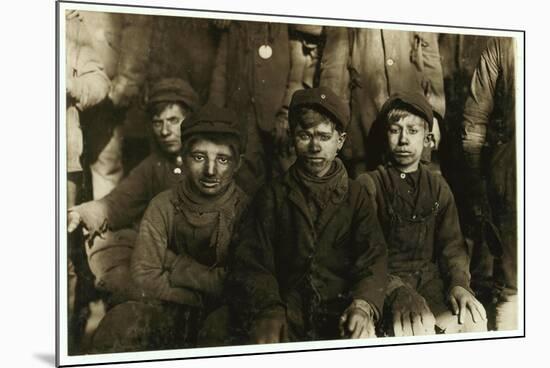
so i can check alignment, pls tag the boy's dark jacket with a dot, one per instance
(280, 250)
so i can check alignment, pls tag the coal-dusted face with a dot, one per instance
(407, 137)
(317, 147)
(167, 128)
(210, 167)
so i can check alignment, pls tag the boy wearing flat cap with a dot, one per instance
(310, 259)
(180, 253)
(429, 282)
(112, 221)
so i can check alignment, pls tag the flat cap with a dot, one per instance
(173, 90)
(414, 102)
(323, 100)
(213, 119)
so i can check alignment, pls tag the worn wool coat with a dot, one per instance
(281, 257)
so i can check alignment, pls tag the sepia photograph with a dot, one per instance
(233, 183)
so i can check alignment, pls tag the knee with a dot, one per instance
(124, 328)
(109, 258)
(448, 323)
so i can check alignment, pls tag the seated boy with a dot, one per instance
(427, 256)
(310, 260)
(180, 251)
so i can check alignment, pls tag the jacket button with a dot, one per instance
(389, 62)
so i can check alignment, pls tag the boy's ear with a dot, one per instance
(240, 159)
(429, 140)
(341, 140)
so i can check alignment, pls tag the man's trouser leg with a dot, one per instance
(506, 275)
(504, 208)
(104, 136)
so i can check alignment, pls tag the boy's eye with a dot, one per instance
(325, 137)
(198, 158)
(303, 136)
(394, 131)
(223, 160)
(413, 131)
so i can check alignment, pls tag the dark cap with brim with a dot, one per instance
(414, 102)
(323, 100)
(173, 90)
(211, 119)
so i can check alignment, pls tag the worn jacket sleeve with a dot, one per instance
(152, 262)
(127, 202)
(479, 105)
(296, 71)
(369, 273)
(335, 62)
(87, 81)
(218, 85)
(453, 259)
(187, 272)
(432, 71)
(252, 285)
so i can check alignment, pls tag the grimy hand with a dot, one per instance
(462, 301)
(268, 331)
(411, 314)
(357, 321)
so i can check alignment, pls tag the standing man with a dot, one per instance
(250, 76)
(310, 260)
(490, 150)
(121, 42)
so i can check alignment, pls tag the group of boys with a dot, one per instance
(312, 255)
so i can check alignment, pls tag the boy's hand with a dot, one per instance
(270, 326)
(411, 314)
(462, 300)
(357, 321)
(73, 220)
(268, 331)
(90, 216)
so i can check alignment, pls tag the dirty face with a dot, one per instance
(407, 137)
(167, 128)
(210, 167)
(317, 147)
